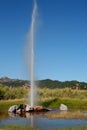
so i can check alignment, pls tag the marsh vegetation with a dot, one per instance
(73, 98)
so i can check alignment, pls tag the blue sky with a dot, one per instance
(60, 40)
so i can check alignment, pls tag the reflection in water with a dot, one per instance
(68, 115)
(32, 121)
(26, 114)
(56, 114)
(32, 116)
(47, 120)
(13, 115)
(3, 114)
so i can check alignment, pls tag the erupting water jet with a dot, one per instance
(31, 42)
(30, 53)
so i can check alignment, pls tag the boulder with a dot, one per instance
(28, 108)
(18, 111)
(41, 109)
(25, 108)
(38, 108)
(21, 108)
(13, 108)
(63, 107)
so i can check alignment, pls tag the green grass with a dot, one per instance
(71, 103)
(73, 128)
(5, 104)
(17, 127)
(52, 103)
(74, 99)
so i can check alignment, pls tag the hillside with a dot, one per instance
(48, 83)
(13, 82)
(59, 84)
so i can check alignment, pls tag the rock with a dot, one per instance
(63, 107)
(28, 108)
(25, 108)
(13, 108)
(38, 108)
(22, 108)
(18, 111)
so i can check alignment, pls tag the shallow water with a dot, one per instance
(45, 121)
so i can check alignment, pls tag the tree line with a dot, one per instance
(62, 84)
(46, 83)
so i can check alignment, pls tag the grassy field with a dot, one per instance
(5, 104)
(50, 102)
(74, 99)
(70, 102)
(62, 93)
(15, 127)
(73, 128)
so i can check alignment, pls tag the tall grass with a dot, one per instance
(47, 97)
(45, 93)
(13, 92)
(71, 97)
(62, 93)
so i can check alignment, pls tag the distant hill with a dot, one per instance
(13, 82)
(48, 83)
(60, 84)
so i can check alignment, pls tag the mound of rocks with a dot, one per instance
(26, 108)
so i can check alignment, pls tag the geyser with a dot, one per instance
(31, 55)
(22, 108)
